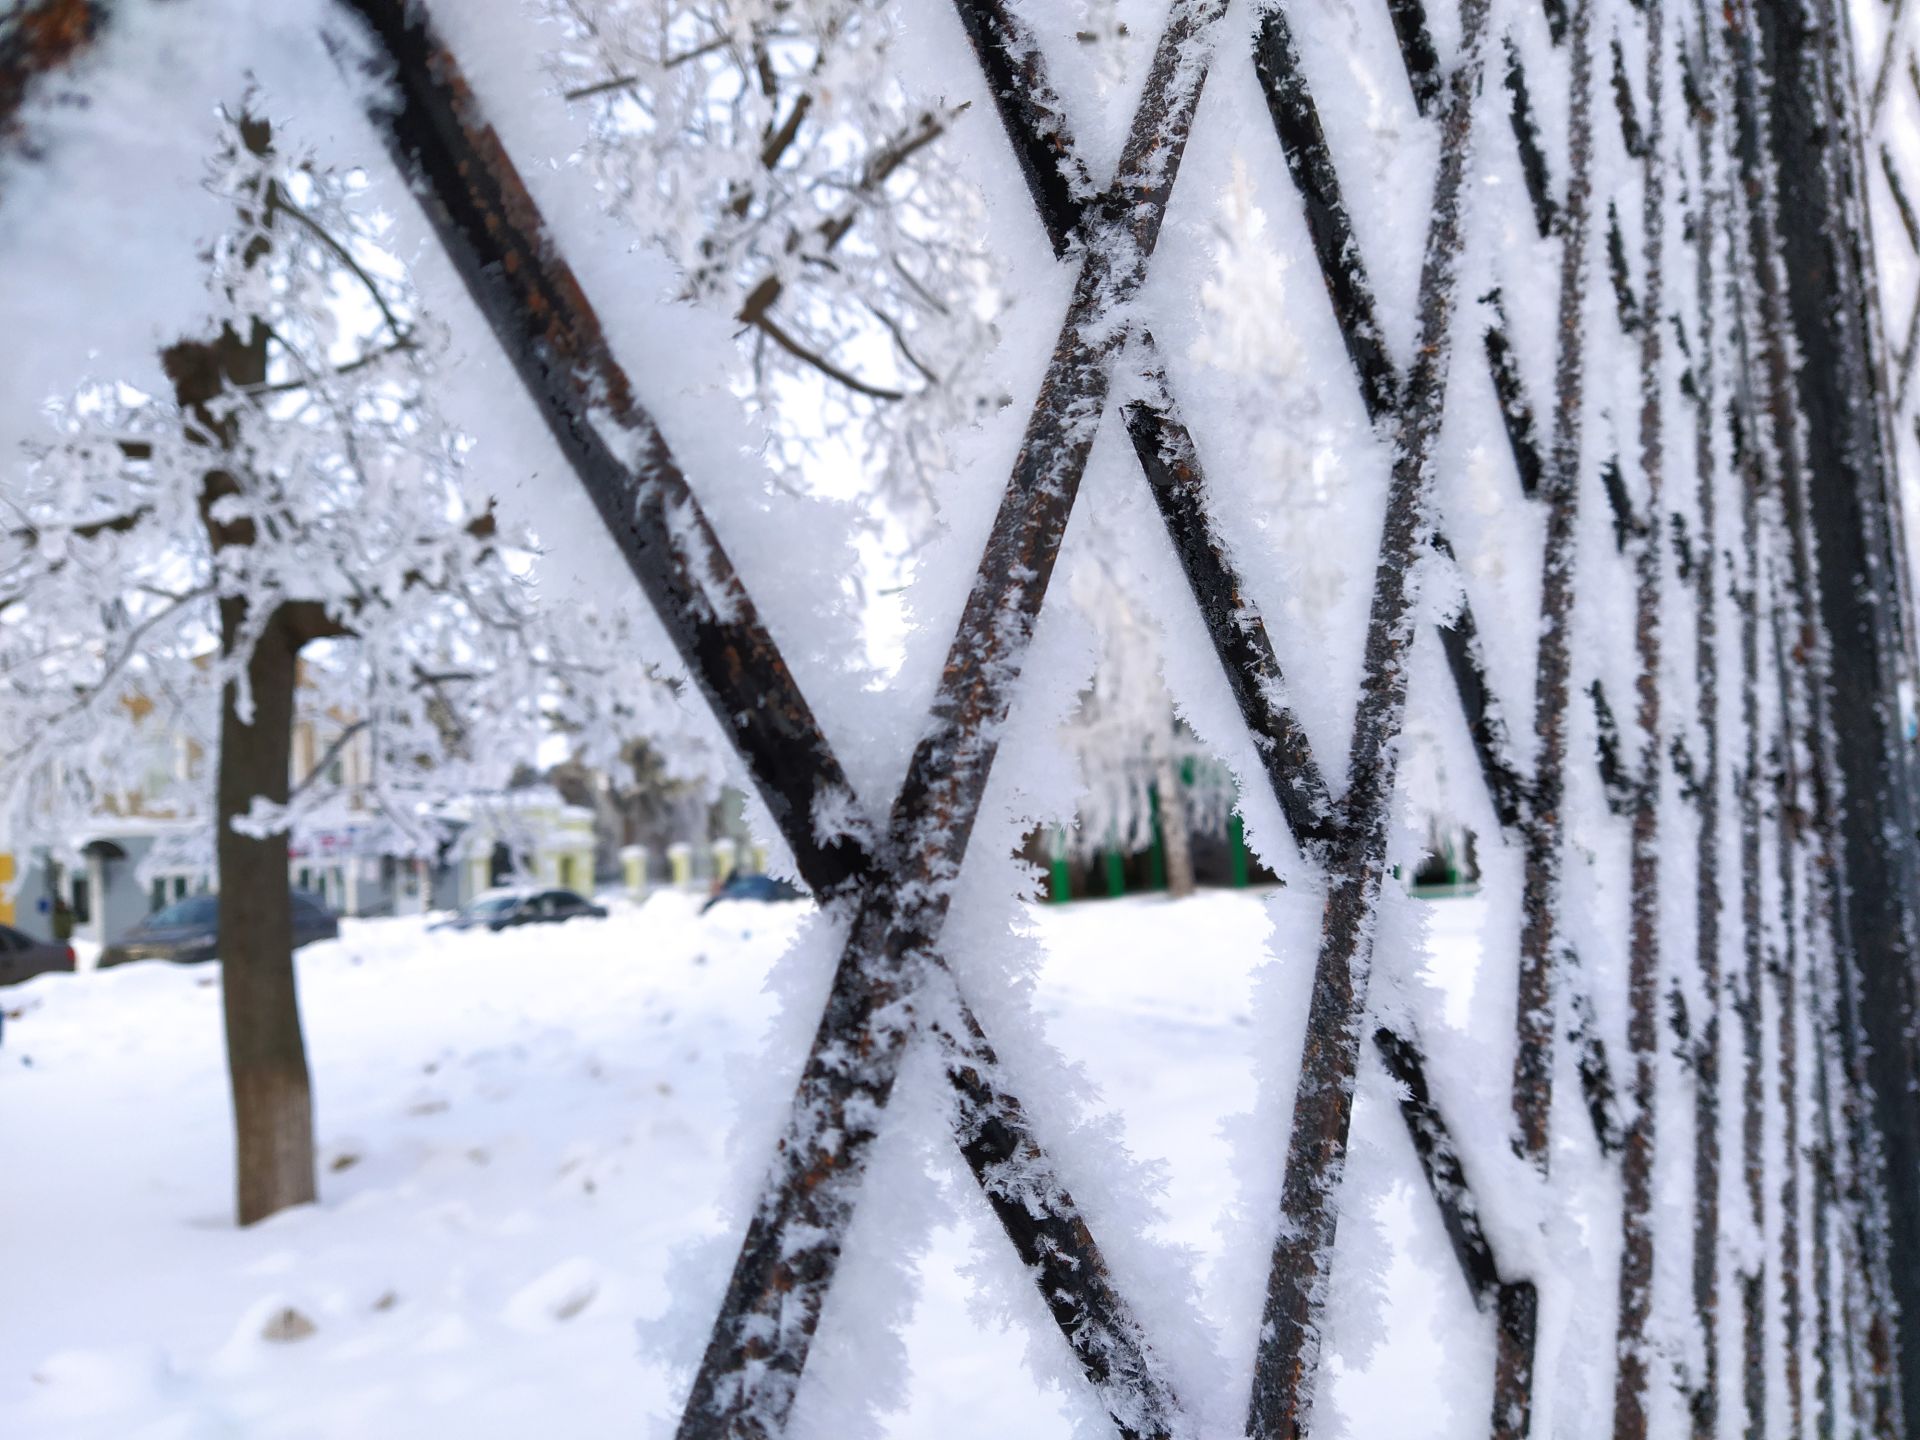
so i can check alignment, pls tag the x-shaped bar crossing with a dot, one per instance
(1042, 139)
(497, 239)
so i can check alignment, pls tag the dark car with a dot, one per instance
(753, 887)
(189, 930)
(22, 957)
(499, 909)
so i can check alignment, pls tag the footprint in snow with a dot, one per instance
(555, 1297)
(287, 1325)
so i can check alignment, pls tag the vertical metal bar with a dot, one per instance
(1643, 973)
(1534, 1022)
(1705, 1405)
(1747, 1003)
(1789, 816)
(1848, 587)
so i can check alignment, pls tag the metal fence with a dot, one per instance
(1710, 220)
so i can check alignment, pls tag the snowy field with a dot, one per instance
(520, 1132)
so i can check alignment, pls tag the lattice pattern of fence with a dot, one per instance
(1720, 684)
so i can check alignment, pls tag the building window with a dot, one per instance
(566, 872)
(82, 900)
(157, 895)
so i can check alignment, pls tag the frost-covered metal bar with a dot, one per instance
(1701, 64)
(1860, 651)
(1746, 1001)
(492, 230)
(1510, 388)
(1526, 135)
(1460, 642)
(1633, 1350)
(1323, 1100)
(1035, 117)
(1791, 810)
(747, 1381)
(1515, 1304)
(1040, 132)
(1172, 468)
(1533, 1052)
(1296, 120)
(1416, 52)
(495, 234)
(1847, 594)
(1343, 269)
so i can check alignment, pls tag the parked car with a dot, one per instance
(499, 909)
(189, 930)
(753, 887)
(22, 957)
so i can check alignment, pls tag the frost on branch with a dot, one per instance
(299, 475)
(774, 152)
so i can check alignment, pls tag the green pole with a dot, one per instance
(1237, 838)
(1059, 877)
(1116, 875)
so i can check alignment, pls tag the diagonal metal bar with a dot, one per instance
(1416, 52)
(1507, 787)
(1526, 135)
(1296, 120)
(748, 1379)
(1033, 114)
(1169, 458)
(1350, 292)
(494, 233)
(1323, 1099)
(1172, 466)
(1515, 1304)
(498, 241)
(1042, 136)
(1516, 414)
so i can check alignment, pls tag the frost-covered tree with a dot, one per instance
(773, 150)
(175, 563)
(1131, 748)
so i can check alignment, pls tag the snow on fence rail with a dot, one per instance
(1721, 659)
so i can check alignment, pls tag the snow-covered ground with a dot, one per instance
(517, 1134)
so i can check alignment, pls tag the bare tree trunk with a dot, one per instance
(1175, 836)
(266, 1053)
